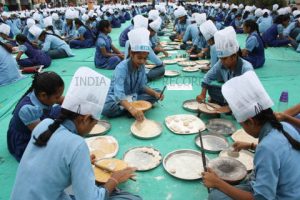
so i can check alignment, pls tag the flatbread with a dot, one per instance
(143, 158)
(190, 69)
(243, 156)
(101, 175)
(242, 136)
(103, 146)
(146, 129)
(171, 73)
(141, 105)
(191, 105)
(187, 63)
(169, 62)
(150, 66)
(208, 109)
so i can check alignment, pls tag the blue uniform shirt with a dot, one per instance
(53, 42)
(277, 172)
(44, 172)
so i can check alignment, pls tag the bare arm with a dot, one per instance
(20, 53)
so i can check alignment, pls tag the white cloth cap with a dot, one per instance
(87, 93)
(288, 10)
(153, 15)
(296, 13)
(181, 12)
(139, 40)
(91, 13)
(241, 6)
(48, 21)
(5, 14)
(155, 25)
(5, 29)
(200, 18)
(36, 16)
(275, 7)
(69, 14)
(45, 14)
(246, 96)
(208, 29)
(55, 16)
(226, 42)
(258, 12)
(35, 31)
(265, 11)
(85, 17)
(30, 22)
(140, 22)
(282, 11)
(22, 15)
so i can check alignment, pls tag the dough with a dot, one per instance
(98, 128)
(147, 128)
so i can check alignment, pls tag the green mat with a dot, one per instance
(281, 72)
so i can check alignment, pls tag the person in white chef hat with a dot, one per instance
(4, 35)
(229, 65)
(276, 161)
(58, 148)
(129, 82)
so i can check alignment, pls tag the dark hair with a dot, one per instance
(281, 18)
(267, 116)
(48, 82)
(21, 39)
(102, 25)
(43, 138)
(51, 29)
(253, 27)
(80, 23)
(246, 14)
(266, 14)
(46, 33)
(6, 47)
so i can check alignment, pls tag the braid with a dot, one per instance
(267, 116)
(43, 139)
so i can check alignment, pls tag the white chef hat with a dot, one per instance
(153, 14)
(99, 12)
(200, 18)
(226, 42)
(110, 11)
(5, 29)
(208, 29)
(22, 15)
(181, 12)
(85, 17)
(35, 31)
(241, 6)
(48, 21)
(265, 11)
(5, 14)
(155, 25)
(139, 40)
(296, 13)
(30, 22)
(281, 11)
(246, 96)
(258, 12)
(87, 93)
(275, 7)
(69, 14)
(45, 14)
(140, 21)
(288, 10)
(91, 13)
(55, 16)
(36, 16)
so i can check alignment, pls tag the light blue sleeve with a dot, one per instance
(211, 75)
(47, 44)
(126, 49)
(81, 30)
(298, 49)
(22, 48)
(289, 28)
(101, 43)
(280, 29)
(298, 38)
(144, 81)
(30, 114)
(213, 55)
(251, 43)
(187, 34)
(266, 173)
(119, 77)
(154, 58)
(82, 176)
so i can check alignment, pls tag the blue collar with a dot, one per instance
(68, 124)
(37, 102)
(264, 131)
(130, 67)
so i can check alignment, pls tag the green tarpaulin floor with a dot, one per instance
(281, 72)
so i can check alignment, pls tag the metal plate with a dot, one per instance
(101, 128)
(147, 129)
(150, 66)
(244, 156)
(143, 158)
(169, 62)
(220, 126)
(228, 169)
(184, 164)
(190, 69)
(103, 146)
(187, 63)
(191, 105)
(202, 62)
(180, 59)
(171, 73)
(242, 136)
(204, 108)
(213, 143)
(184, 124)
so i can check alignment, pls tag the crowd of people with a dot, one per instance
(46, 128)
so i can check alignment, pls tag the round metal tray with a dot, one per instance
(213, 143)
(149, 136)
(184, 164)
(104, 124)
(221, 126)
(194, 101)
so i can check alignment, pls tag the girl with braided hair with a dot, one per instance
(35, 105)
(57, 155)
(276, 171)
